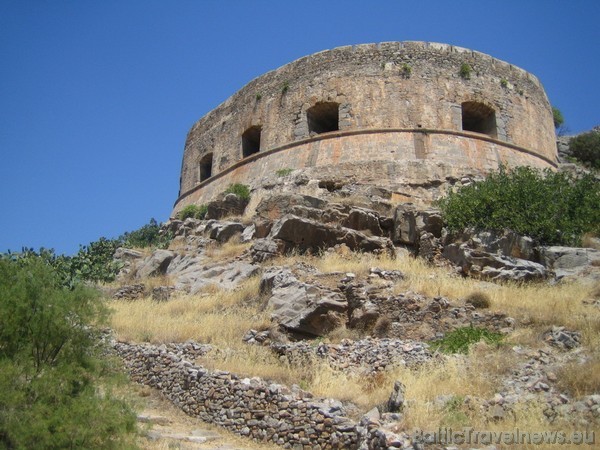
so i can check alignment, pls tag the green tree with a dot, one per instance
(551, 207)
(559, 120)
(51, 364)
(586, 148)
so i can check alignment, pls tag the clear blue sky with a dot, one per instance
(96, 97)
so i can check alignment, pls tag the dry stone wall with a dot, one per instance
(399, 113)
(250, 407)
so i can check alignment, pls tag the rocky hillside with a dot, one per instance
(346, 321)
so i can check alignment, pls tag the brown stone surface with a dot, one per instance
(397, 130)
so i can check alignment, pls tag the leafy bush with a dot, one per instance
(558, 117)
(147, 236)
(94, 262)
(51, 365)
(459, 340)
(551, 207)
(241, 190)
(465, 71)
(193, 211)
(586, 148)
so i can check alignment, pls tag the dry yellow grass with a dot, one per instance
(221, 318)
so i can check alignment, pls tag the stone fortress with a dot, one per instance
(412, 117)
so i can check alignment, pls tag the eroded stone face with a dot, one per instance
(400, 114)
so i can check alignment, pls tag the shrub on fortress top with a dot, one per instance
(586, 148)
(551, 207)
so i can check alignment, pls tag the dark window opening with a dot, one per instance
(323, 117)
(205, 167)
(251, 141)
(479, 118)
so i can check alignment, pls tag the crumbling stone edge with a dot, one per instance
(250, 407)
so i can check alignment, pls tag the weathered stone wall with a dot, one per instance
(399, 105)
(250, 407)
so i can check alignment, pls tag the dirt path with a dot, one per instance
(164, 427)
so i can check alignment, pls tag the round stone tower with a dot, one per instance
(413, 117)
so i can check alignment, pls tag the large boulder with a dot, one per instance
(493, 266)
(570, 261)
(225, 276)
(223, 231)
(156, 264)
(507, 243)
(410, 223)
(363, 220)
(229, 205)
(276, 206)
(302, 308)
(306, 234)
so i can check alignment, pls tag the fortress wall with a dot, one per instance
(374, 90)
(388, 158)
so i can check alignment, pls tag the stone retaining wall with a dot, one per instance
(252, 407)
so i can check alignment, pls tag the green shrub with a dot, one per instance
(193, 211)
(551, 207)
(283, 172)
(479, 300)
(94, 262)
(147, 236)
(406, 71)
(459, 340)
(51, 364)
(465, 71)
(558, 117)
(586, 148)
(241, 190)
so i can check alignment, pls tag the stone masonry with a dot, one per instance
(399, 114)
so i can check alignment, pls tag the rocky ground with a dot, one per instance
(397, 325)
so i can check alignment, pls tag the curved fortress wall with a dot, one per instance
(399, 114)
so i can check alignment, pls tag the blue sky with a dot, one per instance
(96, 97)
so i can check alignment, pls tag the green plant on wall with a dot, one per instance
(465, 71)
(285, 87)
(241, 190)
(284, 172)
(193, 211)
(504, 82)
(406, 70)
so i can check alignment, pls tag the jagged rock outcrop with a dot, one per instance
(300, 307)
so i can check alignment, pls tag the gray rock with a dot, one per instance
(490, 266)
(363, 220)
(569, 261)
(276, 206)
(230, 205)
(395, 403)
(223, 231)
(226, 276)
(264, 249)
(300, 307)
(155, 264)
(306, 234)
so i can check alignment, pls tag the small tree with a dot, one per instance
(586, 148)
(558, 117)
(51, 363)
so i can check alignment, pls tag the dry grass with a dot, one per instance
(220, 317)
(230, 249)
(580, 379)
